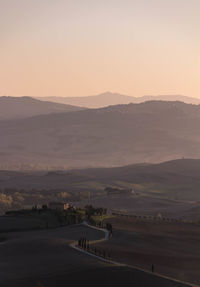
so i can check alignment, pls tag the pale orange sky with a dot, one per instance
(85, 47)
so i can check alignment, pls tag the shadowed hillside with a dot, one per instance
(112, 136)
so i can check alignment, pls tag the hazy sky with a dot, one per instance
(85, 47)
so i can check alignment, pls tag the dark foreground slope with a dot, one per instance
(28, 256)
(117, 135)
(173, 248)
(111, 276)
(44, 259)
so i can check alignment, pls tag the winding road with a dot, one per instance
(52, 259)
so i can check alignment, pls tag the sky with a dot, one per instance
(86, 47)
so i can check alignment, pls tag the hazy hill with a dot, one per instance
(112, 136)
(21, 107)
(108, 98)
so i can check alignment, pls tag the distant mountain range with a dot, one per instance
(153, 131)
(22, 107)
(108, 98)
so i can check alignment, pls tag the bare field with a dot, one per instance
(13, 223)
(39, 254)
(173, 248)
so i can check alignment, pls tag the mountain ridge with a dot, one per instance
(109, 98)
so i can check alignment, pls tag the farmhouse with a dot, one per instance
(59, 205)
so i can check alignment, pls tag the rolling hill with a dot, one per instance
(108, 98)
(172, 186)
(112, 136)
(22, 107)
(174, 180)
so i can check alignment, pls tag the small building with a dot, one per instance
(58, 205)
